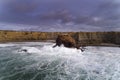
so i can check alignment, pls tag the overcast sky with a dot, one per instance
(60, 15)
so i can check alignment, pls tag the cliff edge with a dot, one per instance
(83, 38)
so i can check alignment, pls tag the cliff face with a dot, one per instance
(97, 38)
(85, 38)
(6, 36)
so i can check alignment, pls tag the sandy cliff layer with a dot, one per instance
(87, 38)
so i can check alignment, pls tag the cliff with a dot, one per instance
(97, 38)
(84, 38)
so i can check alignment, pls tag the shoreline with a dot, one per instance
(82, 38)
(53, 41)
(27, 41)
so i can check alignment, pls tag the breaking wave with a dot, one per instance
(42, 62)
(6, 45)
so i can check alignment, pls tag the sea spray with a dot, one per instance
(42, 62)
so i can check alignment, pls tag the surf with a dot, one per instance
(43, 62)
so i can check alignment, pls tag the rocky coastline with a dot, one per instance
(83, 38)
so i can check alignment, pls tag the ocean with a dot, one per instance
(39, 61)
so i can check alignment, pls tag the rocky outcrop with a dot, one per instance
(66, 40)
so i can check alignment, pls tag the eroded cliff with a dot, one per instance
(83, 38)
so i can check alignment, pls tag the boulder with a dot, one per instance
(66, 40)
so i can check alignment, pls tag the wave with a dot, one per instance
(29, 49)
(95, 63)
(6, 45)
(49, 50)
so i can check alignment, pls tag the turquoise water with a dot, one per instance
(42, 62)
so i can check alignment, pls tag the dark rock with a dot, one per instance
(23, 50)
(67, 41)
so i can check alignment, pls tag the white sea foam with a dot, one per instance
(29, 50)
(6, 45)
(98, 63)
(95, 63)
(94, 60)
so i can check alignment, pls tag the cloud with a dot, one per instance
(99, 13)
(61, 15)
(22, 6)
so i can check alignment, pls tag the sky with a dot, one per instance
(60, 15)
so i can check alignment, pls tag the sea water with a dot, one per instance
(39, 61)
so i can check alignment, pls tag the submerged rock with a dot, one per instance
(23, 50)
